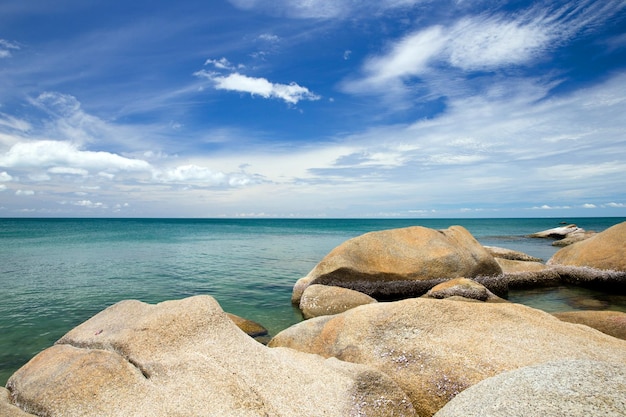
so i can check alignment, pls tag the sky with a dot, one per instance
(312, 108)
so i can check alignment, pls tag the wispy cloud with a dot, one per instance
(486, 42)
(322, 9)
(7, 47)
(291, 93)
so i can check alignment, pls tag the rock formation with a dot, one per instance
(604, 251)
(435, 349)
(397, 263)
(187, 358)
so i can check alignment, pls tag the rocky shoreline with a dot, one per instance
(402, 322)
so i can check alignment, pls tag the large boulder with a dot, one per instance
(187, 358)
(513, 255)
(321, 300)
(578, 388)
(397, 263)
(435, 349)
(610, 322)
(605, 251)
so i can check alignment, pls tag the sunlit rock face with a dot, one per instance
(435, 349)
(397, 263)
(574, 388)
(188, 358)
(604, 251)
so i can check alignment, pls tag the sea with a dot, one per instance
(57, 273)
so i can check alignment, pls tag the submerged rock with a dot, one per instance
(392, 264)
(251, 328)
(187, 358)
(579, 388)
(605, 250)
(321, 300)
(435, 349)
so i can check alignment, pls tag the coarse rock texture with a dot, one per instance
(557, 232)
(435, 349)
(513, 255)
(610, 322)
(187, 358)
(574, 237)
(463, 287)
(322, 300)
(578, 388)
(7, 409)
(397, 263)
(606, 250)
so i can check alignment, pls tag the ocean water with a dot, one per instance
(56, 273)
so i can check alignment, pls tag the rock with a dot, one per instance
(435, 349)
(513, 266)
(513, 255)
(7, 409)
(579, 388)
(557, 232)
(610, 322)
(251, 328)
(321, 300)
(605, 250)
(573, 238)
(397, 263)
(462, 287)
(187, 358)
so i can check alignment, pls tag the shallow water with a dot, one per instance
(56, 273)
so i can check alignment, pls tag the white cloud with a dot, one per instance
(50, 154)
(291, 93)
(5, 177)
(89, 204)
(268, 37)
(3, 187)
(221, 63)
(477, 43)
(68, 171)
(24, 192)
(615, 205)
(194, 174)
(589, 206)
(14, 123)
(6, 47)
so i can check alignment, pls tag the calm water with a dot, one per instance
(56, 273)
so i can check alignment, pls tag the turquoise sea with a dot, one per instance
(56, 273)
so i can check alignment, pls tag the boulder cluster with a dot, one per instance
(403, 322)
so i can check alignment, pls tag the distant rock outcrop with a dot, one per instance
(557, 232)
(397, 263)
(187, 358)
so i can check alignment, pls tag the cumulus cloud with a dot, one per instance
(4, 177)
(194, 174)
(291, 93)
(51, 154)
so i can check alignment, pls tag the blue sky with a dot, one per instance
(313, 108)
